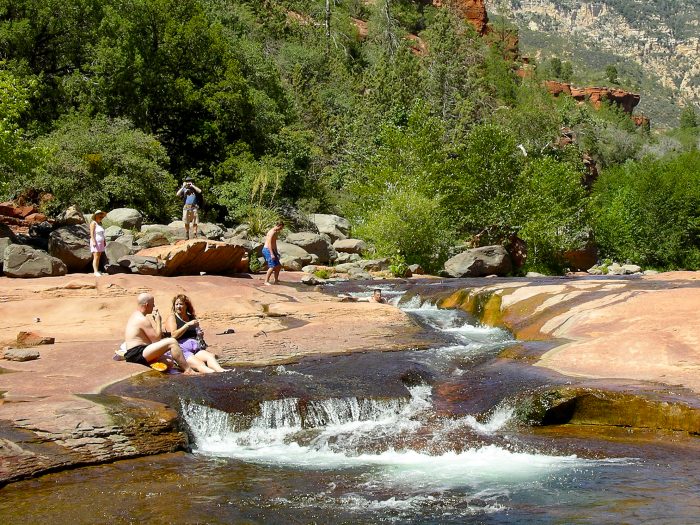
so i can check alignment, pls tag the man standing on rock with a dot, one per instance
(190, 214)
(272, 256)
(143, 336)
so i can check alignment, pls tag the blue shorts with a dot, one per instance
(270, 259)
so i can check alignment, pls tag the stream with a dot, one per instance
(421, 437)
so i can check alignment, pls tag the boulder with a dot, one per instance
(416, 269)
(126, 218)
(152, 239)
(6, 232)
(478, 262)
(20, 354)
(357, 246)
(359, 274)
(140, 264)
(127, 240)
(199, 255)
(346, 267)
(332, 225)
(344, 257)
(239, 231)
(314, 243)
(115, 251)
(206, 230)
(625, 269)
(25, 339)
(312, 280)
(375, 265)
(70, 217)
(581, 259)
(41, 229)
(10, 209)
(26, 262)
(113, 232)
(4, 243)
(71, 244)
(293, 257)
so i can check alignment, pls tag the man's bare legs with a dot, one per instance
(153, 351)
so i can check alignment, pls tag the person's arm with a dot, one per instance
(195, 188)
(93, 225)
(153, 326)
(179, 192)
(177, 333)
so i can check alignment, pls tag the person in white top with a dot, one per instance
(97, 240)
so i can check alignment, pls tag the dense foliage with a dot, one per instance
(393, 113)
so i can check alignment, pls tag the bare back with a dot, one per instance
(139, 331)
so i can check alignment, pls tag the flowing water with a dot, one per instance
(446, 451)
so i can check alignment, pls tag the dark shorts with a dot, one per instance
(270, 259)
(135, 355)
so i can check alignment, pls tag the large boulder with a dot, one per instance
(332, 225)
(26, 262)
(375, 265)
(6, 232)
(71, 244)
(581, 259)
(206, 230)
(292, 257)
(151, 239)
(139, 264)
(4, 243)
(344, 257)
(478, 262)
(115, 251)
(315, 244)
(126, 218)
(199, 255)
(113, 232)
(357, 246)
(70, 217)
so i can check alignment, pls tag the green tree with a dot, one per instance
(611, 74)
(689, 118)
(18, 156)
(106, 163)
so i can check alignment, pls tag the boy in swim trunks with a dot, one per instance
(143, 336)
(272, 256)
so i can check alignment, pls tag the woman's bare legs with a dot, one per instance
(199, 365)
(210, 360)
(96, 262)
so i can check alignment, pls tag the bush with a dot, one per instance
(648, 212)
(104, 163)
(412, 226)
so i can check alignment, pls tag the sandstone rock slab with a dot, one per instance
(198, 255)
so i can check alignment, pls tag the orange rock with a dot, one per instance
(473, 11)
(33, 339)
(200, 255)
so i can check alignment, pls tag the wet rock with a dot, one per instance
(26, 262)
(587, 406)
(25, 339)
(479, 262)
(125, 218)
(20, 354)
(71, 244)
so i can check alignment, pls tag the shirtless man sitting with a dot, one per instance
(143, 336)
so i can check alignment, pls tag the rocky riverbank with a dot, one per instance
(53, 414)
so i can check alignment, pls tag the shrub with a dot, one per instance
(648, 212)
(411, 225)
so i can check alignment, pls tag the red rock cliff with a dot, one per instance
(474, 11)
(596, 95)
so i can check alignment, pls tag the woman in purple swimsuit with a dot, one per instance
(184, 326)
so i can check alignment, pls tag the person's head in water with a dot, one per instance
(377, 296)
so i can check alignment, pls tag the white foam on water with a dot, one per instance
(277, 437)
